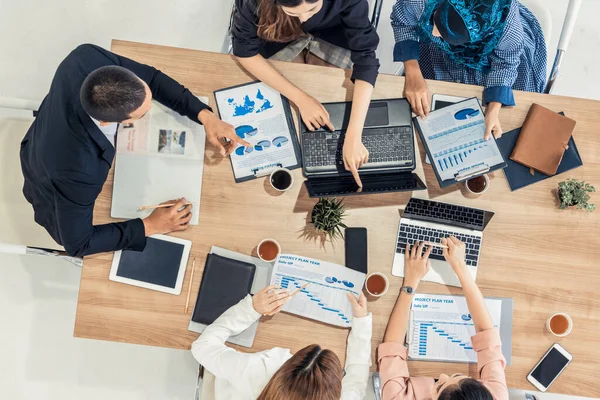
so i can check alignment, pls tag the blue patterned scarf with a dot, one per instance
(482, 26)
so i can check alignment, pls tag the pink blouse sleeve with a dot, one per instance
(491, 362)
(396, 384)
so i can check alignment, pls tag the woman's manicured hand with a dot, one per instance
(313, 113)
(492, 121)
(416, 90)
(355, 155)
(270, 300)
(455, 253)
(359, 307)
(416, 264)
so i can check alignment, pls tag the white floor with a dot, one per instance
(39, 358)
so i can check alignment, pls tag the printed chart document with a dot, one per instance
(262, 117)
(441, 327)
(325, 298)
(453, 136)
(158, 158)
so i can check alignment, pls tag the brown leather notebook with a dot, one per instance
(543, 139)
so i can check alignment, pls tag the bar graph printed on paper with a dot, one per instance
(454, 136)
(323, 304)
(455, 156)
(441, 328)
(443, 341)
(325, 298)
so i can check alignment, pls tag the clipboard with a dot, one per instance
(263, 169)
(468, 171)
(505, 329)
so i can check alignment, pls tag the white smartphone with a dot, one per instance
(549, 368)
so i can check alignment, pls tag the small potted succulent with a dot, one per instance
(574, 193)
(327, 217)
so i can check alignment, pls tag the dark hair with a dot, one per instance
(451, 25)
(466, 389)
(274, 25)
(311, 374)
(111, 94)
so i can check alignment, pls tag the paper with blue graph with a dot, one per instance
(325, 298)
(262, 117)
(454, 137)
(441, 327)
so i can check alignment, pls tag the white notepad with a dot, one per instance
(158, 158)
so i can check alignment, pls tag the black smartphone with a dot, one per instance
(356, 249)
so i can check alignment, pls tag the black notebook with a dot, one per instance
(224, 283)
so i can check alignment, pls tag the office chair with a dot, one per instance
(544, 17)
(227, 48)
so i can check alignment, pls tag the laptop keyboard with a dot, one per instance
(440, 212)
(385, 145)
(414, 234)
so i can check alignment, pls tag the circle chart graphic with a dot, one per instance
(262, 145)
(280, 141)
(244, 131)
(240, 151)
(466, 113)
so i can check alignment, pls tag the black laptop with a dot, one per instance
(387, 134)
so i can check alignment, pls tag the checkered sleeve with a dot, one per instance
(504, 61)
(405, 24)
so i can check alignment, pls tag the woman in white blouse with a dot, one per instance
(312, 373)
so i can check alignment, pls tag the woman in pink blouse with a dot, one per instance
(397, 384)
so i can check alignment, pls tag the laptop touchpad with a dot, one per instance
(377, 114)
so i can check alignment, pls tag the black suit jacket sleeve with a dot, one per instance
(362, 41)
(165, 90)
(76, 194)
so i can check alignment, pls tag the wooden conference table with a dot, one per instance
(546, 259)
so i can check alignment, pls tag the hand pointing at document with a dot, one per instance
(217, 131)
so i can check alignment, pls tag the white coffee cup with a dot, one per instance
(569, 324)
(381, 293)
(487, 184)
(287, 175)
(262, 242)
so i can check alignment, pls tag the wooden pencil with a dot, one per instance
(187, 302)
(163, 205)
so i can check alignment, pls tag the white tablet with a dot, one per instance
(161, 266)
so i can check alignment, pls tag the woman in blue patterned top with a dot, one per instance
(497, 44)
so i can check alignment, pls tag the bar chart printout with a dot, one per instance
(441, 328)
(455, 138)
(325, 298)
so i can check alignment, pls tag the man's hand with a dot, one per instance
(492, 120)
(416, 90)
(416, 264)
(168, 219)
(355, 155)
(313, 113)
(359, 307)
(217, 131)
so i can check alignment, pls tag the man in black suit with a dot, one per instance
(69, 148)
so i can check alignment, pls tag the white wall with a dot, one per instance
(37, 35)
(40, 359)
